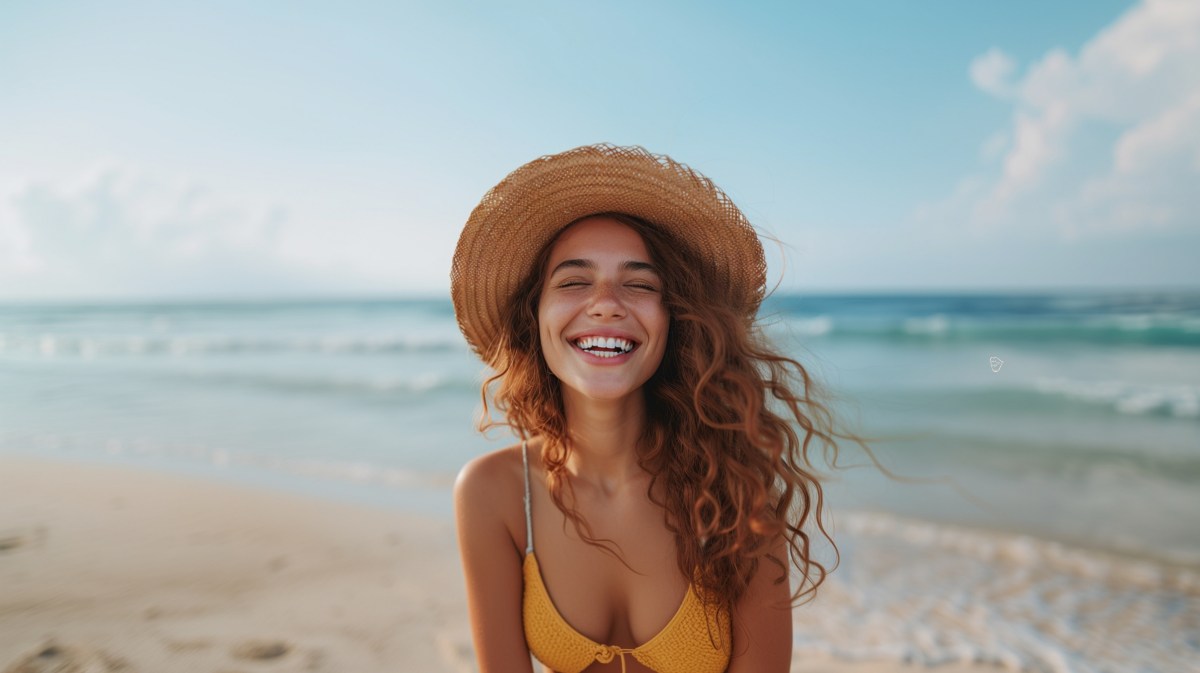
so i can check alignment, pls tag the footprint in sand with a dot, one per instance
(51, 657)
(188, 645)
(11, 540)
(260, 650)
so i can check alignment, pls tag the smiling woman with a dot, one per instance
(603, 324)
(614, 294)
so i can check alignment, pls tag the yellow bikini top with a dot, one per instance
(682, 646)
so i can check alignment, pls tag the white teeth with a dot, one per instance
(611, 343)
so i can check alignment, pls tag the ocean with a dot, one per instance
(1047, 515)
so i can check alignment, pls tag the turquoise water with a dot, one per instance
(1088, 432)
(1053, 419)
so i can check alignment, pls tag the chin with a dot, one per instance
(606, 395)
(602, 393)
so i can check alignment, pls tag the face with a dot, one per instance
(602, 322)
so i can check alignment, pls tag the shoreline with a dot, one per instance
(428, 495)
(121, 565)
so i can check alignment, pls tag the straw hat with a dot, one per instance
(521, 215)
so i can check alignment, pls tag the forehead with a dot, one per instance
(599, 237)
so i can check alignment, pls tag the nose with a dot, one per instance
(605, 302)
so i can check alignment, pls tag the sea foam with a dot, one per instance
(931, 594)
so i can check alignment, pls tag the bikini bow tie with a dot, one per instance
(606, 653)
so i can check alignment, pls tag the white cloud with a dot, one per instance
(1152, 185)
(123, 230)
(16, 250)
(118, 230)
(115, 210)
(992, 72)
(1175, 131)
(1135, 88)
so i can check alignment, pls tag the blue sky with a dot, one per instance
(225, 149)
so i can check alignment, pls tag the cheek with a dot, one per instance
(547, 343)
(549, 327)
(545, 320)
(660, 319)
(659, 323)
(666, 333)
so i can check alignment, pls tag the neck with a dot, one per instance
(603, 436)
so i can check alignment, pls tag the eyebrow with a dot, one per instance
(628, 265)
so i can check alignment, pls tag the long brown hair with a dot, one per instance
(721, 435)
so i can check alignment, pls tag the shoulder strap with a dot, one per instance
(528, 515)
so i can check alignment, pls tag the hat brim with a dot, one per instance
(518, 217)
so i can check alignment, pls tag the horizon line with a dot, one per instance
(299, 298)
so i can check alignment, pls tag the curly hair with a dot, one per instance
(719, 426)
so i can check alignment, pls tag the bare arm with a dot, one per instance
(762, 620)
(492, 566)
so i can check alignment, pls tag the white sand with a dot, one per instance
(118, 569)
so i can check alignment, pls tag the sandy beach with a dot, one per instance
(170, 573)
(122, 569)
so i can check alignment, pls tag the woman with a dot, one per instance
(614, 293)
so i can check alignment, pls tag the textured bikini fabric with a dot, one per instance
(683, 646)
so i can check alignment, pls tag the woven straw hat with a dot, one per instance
(521, 215)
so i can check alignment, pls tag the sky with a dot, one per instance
(297, 149)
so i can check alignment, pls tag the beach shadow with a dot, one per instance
(51, 657)
(260, 650)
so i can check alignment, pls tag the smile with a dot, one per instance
(605, 347)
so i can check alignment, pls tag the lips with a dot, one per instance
(606, 347)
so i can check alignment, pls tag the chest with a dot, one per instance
(594, 592)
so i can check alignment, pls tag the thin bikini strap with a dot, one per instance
(528, 516)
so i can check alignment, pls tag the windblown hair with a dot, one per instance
(722, 413)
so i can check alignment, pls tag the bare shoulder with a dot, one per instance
(492, 474)
(488, 509)
(489, 493)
